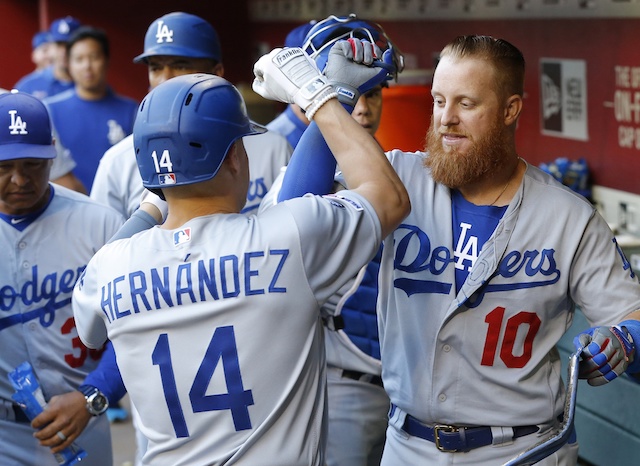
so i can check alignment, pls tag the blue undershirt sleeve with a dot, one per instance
(312, 166)
(106, 377)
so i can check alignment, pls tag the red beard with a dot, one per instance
(455, 169)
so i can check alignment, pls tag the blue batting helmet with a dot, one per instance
(182, 35)
(296, 37)
(184, 128)
(327, 32)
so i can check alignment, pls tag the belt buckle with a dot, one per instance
(436, 434)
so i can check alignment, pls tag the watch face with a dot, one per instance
(99, 403)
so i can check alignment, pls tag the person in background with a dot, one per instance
(91, 117)
(50, 81)
(481, 280)
(49, 233)
(194, 47)
(55, 78)
(356, 401)
(41, 55)
(62, 166)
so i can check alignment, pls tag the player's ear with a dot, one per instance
(218, 70)
(232, 159)
(512, 109)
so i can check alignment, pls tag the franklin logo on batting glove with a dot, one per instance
(286, 55)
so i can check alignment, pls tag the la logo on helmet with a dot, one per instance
(164, 33)
(17, 126)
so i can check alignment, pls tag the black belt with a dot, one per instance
(363, 377)
(452, 438)
(19, 414)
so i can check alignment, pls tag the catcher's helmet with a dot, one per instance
(327, 32)
(184, 128)
(182, 35)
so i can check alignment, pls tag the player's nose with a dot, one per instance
(361, 107)
(19, 177)
(448, 116)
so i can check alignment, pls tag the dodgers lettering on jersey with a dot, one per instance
(193, 282)
(538, 266)
(38, 290)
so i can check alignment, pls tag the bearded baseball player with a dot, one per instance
(218, 312)
(480, 281)
(49, 233)
(177, 44)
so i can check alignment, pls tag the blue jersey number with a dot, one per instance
(221, 347)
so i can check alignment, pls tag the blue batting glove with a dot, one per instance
(607, 353)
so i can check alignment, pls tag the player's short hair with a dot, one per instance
(507, 61)
(89, 32)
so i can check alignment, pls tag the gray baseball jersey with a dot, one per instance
(486, 356)
(40, 265)
(341, 351)
(118, 183)
(63, 163)
(356, 429)
(219, 322)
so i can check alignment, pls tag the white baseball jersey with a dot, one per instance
(219, 322)
(487, 356)
(40, 266)
(118, 183)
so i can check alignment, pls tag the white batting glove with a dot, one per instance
(153, 199)
(353, 68)
(290, 75)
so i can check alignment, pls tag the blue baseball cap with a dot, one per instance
(181, 35)
(62, 28)
(40, 38)
(296, 36)
(25, 128)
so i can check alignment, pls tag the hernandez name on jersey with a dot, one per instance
(213, 278)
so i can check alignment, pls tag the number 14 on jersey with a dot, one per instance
(222, 348)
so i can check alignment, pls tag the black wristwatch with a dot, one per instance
(97, 403)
